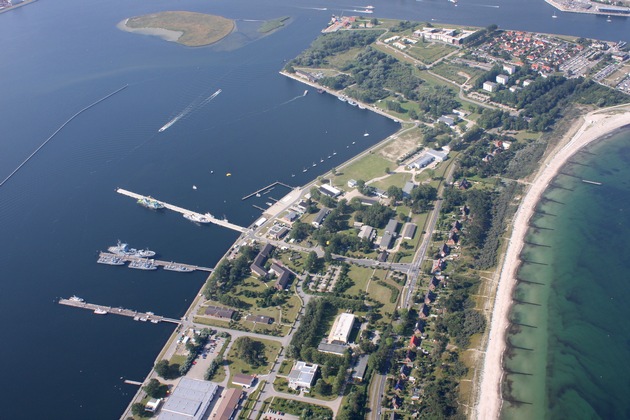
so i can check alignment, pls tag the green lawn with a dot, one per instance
(237, 365)
(285, 367)
(429, 52)
(178, 358)
(370, 166)
(341, 60)
(398, 180)
(382, 294)
(360, 276)
(297, 407)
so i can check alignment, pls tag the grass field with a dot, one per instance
(397, 180)
(273, 24)
(198, 28)
(429, 52)
(370, 166)
(237, 365)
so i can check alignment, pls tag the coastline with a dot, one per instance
(302, 189)
(596, 125)
(165, 34)
(593, 9)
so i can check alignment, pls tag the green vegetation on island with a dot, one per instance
(197, 29)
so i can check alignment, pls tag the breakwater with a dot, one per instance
(58, 130)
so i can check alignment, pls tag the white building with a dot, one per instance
(509, 69)
(329, 190)
(502, 79)
(341, 329)
(489, 86)
(367, 232)
(302, 375)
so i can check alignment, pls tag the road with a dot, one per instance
(377, 390)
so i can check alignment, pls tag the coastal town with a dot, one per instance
(368, 292)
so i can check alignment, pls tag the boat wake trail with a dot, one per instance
(196, 104)
(486, 5)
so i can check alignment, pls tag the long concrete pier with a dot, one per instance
(159, 263)
(136, 315)
(184, 211)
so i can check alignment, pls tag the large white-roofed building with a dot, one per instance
(341, 329)
(189, 401)
(302, 375)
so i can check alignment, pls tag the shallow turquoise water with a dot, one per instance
(570, 342)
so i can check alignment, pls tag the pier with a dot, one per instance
(184, 211)
(187, 267)
(266, 188)
(103, 310)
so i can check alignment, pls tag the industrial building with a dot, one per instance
(228, 405)
(341, 329)
(189, 400)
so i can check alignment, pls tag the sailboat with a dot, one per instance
(608, 19)
(554, 15)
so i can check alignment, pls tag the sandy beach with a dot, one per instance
(595, 125)
(166, 34)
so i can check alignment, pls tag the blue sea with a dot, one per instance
(61, 208)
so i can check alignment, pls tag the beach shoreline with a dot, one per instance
(165, 34)
(596, 125)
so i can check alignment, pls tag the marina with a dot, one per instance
(146, 264)
(268, 187)
(189, 214)
(77, 302)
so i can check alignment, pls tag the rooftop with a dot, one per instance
(190, 400)
(341, 328)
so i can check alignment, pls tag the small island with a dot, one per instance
(186, 28)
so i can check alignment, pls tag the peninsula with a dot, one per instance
(368, 291)
(186, 28)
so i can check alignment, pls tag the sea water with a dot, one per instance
(569, 344)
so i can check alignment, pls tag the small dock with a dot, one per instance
(268, 187)
(591, 182)
(104, 310)
(184, 211)
(186, 268)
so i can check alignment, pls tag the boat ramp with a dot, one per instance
(103, 310)
(114, 259)
(185, 212)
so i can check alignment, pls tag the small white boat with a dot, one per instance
(99, 311)
(305, 92)
(366, 134)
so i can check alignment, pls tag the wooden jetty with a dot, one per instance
(189, 268)
(103, 310)
(184, 211)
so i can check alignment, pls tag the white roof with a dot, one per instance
(303, 373)
(189, 400)
(341, 329)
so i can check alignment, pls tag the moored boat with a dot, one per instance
(76, 298)
(150, 203)
(143, 264)
(99, 311)
(197, 218)
(123, 249)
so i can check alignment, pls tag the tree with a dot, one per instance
(137, 409)
(374, 21)
(155, 389)
(395, 193)
(251, 351)
(166, 370)
(312, 263)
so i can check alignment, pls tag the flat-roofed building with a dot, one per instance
(341, 329)
(502, 79)
(489, 86)
(228, 404)
(421, 162)
(189, 400)
(338, 349)
(259, 319)
(302, 375)
(509, 69)
(391, 227)
(409, 231)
